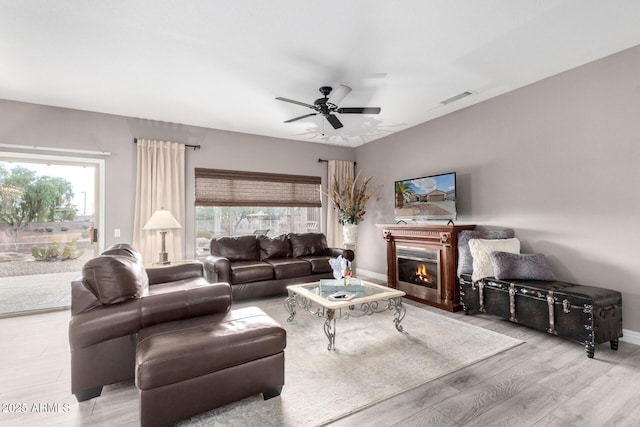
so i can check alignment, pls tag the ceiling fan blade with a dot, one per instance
(335, 122)
(339, 94)
(295, 102)
(363, 110)
(301, 117)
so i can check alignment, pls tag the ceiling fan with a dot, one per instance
(328, 105)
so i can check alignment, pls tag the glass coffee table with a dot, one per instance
(369, 299)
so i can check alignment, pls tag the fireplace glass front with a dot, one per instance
(419, 271)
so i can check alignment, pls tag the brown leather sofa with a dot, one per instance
(116, 298)
(258, 265)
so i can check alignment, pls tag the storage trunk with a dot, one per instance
(586, 314)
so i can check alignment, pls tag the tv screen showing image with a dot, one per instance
(426, 198)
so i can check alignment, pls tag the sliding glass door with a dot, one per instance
(49, 216)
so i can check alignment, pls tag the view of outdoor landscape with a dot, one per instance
(46, 216)
(40, 219)
(219, 221)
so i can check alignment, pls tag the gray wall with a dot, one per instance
(29, 124)
(558, 161)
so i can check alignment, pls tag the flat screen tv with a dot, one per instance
(426, 198)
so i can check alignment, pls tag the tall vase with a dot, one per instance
(350, 233)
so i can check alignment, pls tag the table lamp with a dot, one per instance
(162, 220)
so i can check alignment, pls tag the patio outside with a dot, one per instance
(28, 283)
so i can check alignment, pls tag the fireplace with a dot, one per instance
(422, 262)
(419, 271)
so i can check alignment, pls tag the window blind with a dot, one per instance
(215, 187)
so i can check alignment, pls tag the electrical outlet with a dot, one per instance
(116, 232)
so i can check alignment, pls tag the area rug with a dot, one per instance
(372, 362)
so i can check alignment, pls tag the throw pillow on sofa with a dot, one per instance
(115, 278)
(481, 250)
(238, 248)
(274, 247)
(123, 249)
(303, 244)
(465, 260)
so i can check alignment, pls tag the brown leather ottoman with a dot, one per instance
(195, 365)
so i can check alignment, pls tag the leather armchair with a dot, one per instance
(115, 298)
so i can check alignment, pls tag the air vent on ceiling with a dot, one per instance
(456, 97)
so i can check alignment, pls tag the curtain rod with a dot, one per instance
(56, 149)
(195, 147)
(326, 161)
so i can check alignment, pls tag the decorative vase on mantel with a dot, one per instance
(350, 233)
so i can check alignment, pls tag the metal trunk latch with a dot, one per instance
(566, 306)
(512, 302)
(550, 303)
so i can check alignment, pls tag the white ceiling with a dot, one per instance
(221, 63)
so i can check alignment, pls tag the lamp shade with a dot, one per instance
(161, 220)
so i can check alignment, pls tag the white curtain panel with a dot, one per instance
(160, 183)
(341, 170)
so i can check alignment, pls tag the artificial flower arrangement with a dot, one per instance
(351, 199)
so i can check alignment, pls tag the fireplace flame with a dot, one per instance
(423, 275)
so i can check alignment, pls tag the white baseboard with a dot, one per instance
(631, 337)
(371, 274)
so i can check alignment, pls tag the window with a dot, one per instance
(234, 203)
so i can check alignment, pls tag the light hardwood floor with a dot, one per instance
(547, 381)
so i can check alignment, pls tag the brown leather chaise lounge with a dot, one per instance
(174, 333)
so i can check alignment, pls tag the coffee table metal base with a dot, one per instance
(357, 310)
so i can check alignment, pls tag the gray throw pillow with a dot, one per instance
(521, 266)
(465, 260)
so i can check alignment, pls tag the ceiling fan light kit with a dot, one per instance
(328, 105)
